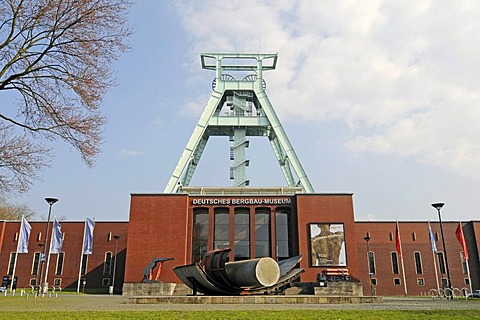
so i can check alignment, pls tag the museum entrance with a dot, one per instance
(251, 232)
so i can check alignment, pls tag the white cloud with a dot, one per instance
(130, 153)
(402, 74)
(367, 217)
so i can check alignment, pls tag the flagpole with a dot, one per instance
(16, 257)
(20, 238)
(465, 254)
(48, 257)
(13, 274)
(469, 278)
(81, 257)
(403, 265)
(433, 256)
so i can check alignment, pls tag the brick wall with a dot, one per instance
(326, 208)
(159, 227)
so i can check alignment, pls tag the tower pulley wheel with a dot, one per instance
(225, 77)
(253, 77)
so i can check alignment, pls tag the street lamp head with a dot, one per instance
(438, 205)
(116, 237)
(366, 238)
(51, 201)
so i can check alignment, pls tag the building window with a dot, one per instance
(11, 264)
(371, 262)
(107, 263)
(83, 269)
(441, 262)
(109, 237)
(282, 235)
(60, 259)
(390, 236)
(396, 281)
(33, 282)
(221, 238)
(200, 233)
(262, 233)
(241, 226)
(394, 257)
(374, 281)
(418, 262)
(464, 263)
(105, 282)
(466, 281)
(436, 236)
(39, 237)
(57, 282)
(15, 237)
(414, 236)
(36, 260)
(420, 281)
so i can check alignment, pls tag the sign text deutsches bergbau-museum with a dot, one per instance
(223, 201)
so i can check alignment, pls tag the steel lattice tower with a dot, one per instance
(238, 109)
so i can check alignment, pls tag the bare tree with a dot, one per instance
(14, 211)
(56, 57)
(20, 160)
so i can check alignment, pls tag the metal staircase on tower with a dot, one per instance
(239, 108)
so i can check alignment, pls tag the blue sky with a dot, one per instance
(379, 99)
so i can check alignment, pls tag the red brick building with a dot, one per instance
(64, 268)
(419, 259)
(271, 226)
(280, 224)
(177, 217)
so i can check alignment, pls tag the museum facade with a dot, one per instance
(253, 222)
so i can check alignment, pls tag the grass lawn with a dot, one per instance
(69, 306)
(255, 314)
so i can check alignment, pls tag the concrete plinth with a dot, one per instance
(342, 288)
(253, 300)
(148, 289)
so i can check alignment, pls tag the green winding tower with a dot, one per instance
(238, 109)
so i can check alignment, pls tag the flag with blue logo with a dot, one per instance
(432, 238)
(25, 228)
(88, 237)
(56, 242)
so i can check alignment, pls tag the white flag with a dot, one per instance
(56, 242)
(432, 239)
(88, 237)
(25, 228)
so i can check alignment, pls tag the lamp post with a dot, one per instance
(439, 206)
(115, 262)
(367, 239)
(50, 202)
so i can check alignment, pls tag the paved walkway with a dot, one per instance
(68, 302)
